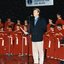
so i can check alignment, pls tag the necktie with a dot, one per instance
(35, 21)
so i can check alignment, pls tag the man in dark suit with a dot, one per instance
(37, 30)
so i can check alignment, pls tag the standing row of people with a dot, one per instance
(9, 22)
(11, 37)
(54, 39)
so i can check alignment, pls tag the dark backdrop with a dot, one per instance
(16, 9)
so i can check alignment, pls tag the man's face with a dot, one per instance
(35, 13)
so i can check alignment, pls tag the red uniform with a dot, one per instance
(60, 21)
(46, 40)
(18, 43)
(2, 44)
(16, 26)
(25, 44)
(9, 42)
(58, 48)
(1, 24)
(51, 45)
(27, 40)
(48, 27)
(29, 45)
(8, 23)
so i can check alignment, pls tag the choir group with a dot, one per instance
(54, 39)
(12, 38)
(14, 41)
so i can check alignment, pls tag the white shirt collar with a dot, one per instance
(36, 17)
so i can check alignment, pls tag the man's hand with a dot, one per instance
(26, 33)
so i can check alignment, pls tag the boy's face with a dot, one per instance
(58, 16)
(52, 29)
(18, 21)
(1, 29)
(50, 21)
(9, 29)
(9, 19)
(18, 28)
(59, 27)
(35, 13)
(25, 22)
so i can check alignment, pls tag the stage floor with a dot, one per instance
(9, 59)
(17, 59)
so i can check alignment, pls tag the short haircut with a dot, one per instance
(59, 14)
(59, 25)
(1, 27)
(37, 9)
(18, 25)
(52, 26)
(10, 26)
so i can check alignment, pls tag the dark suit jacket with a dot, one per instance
(38, 30)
